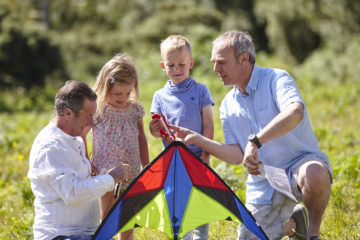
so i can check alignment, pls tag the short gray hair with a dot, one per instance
(241, 42)
(72, 96)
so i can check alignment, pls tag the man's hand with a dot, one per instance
(251, 161)
(184, 135)
(121, 172)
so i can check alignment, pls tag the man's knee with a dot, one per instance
(314, 177)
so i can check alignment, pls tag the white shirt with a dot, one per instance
(66, 196)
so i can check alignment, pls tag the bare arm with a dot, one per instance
(144, 151)
(208, 129)
(283, 123)
(228, 153)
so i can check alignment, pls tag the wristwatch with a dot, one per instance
(253, 138)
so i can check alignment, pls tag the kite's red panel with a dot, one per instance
(199, 174)
(154, 177)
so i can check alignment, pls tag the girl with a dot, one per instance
(118, 132)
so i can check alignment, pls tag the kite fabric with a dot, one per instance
(174, 194)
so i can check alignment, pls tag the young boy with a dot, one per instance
(183, 102)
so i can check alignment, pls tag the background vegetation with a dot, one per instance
(44, 42)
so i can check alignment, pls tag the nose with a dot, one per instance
(216, 67)
(91, 121)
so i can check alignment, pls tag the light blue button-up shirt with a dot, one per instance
(269, 92)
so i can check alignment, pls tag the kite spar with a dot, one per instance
(174, 194)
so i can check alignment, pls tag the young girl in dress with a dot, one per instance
(118, 132)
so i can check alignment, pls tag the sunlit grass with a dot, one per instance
(334, 113)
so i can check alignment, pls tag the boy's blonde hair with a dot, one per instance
(119, 69)
(173, 43)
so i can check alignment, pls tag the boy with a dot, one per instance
(183, 102)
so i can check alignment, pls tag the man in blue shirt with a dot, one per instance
(265, 121)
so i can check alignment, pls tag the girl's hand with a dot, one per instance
(94, 170)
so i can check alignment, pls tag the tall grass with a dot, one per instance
(334, 112)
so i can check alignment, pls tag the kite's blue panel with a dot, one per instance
(249, 221)
(177, 184)
(111, 227)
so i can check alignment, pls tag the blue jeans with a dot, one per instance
(200, 233)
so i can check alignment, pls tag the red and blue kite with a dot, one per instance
(175, 193)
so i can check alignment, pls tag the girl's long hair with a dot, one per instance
(119, 69)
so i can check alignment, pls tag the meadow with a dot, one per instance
(333, 107)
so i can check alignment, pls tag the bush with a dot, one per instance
(27, 55)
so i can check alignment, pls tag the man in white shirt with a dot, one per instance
(66, 193)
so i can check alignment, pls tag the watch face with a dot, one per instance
(251, 137)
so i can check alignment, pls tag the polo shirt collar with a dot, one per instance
(253, 82)
(254, 79)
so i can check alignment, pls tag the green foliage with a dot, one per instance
(36, 99)
(316, 41)
(27, 55)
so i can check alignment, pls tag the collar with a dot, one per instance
(253, 82)
(61, 133)
(181, 87)
(255, 77)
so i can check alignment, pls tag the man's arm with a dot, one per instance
(283, 123)
(228, 153)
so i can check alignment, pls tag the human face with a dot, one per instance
(118, 95)
(225, 64)
(177, 65)
(84, 119)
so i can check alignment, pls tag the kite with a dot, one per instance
(174, 194)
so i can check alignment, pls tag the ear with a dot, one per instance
(192, 61)
(244, 58)
(67, 113)
(162, 65)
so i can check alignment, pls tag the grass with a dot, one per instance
(334, 112)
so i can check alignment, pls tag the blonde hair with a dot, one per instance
(119, 69)
(173, 43)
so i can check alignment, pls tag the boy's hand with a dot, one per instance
(155, 127)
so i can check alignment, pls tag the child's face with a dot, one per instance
(177, 65)
(119, 94)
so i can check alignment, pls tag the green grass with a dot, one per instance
(334, 112)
